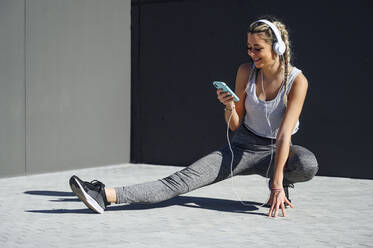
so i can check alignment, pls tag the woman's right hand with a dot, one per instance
(225, 98)
(276, 201)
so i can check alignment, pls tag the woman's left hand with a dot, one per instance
(277, 200)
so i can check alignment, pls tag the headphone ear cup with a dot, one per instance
(276, 48)
(282, 48)
(279, 48)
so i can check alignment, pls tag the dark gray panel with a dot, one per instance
(12, 88)
(184, 45)
(78, 86)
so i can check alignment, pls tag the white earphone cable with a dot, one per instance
(270, 129)
(273, 133)
(267, 114)
(230, 147)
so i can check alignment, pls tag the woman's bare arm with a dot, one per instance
(237, 109)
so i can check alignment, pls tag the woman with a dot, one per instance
(272, 93)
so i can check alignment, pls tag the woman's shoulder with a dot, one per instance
(243, 75)
(245, 68)
(299, 80)
(244, 71)
(294, 70)
(297, 73)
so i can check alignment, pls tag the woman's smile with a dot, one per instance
(257, 60)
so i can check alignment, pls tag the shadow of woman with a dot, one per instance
(223, 205)
(185, 201)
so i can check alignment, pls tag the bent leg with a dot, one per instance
(209, 169)
(301, 165)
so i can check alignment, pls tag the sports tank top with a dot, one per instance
(255, 118)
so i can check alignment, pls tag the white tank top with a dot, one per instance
(255, 116)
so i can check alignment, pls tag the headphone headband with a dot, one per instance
(279, 46)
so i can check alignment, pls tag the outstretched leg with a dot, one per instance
(211, 168)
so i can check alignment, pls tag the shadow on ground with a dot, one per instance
(185, 201)
(49, 193)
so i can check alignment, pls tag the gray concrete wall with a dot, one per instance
(12, 87)
(66, 98)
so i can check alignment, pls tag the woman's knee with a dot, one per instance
(302, 163)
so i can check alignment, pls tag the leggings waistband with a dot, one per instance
(257, 136)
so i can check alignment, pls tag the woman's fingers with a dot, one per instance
(221, 94)
(283, 209)
(278, 201)
(271, 210)
(276, 209)
(228, 100)
(224, 98)
(289, 203)
(270, 200)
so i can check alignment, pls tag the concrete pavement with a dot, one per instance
(40, 211)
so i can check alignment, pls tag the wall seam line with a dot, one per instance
(26, 72)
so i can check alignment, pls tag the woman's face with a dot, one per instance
(259, 50)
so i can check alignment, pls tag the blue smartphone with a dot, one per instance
(221, 85)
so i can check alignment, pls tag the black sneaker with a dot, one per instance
(91, 193)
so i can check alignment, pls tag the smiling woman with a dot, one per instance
(258, 132)
(263, 39)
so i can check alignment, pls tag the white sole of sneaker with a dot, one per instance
(87, 199)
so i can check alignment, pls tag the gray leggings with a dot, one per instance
(252, 155)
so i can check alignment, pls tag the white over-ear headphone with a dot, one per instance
(279, 46)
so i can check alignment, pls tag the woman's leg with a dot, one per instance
(301, 165)
(111, 195)
(211, 168)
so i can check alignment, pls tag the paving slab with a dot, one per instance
(41, 211)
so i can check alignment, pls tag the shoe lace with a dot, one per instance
(101, 189)
(290, 185)
(95, 184)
